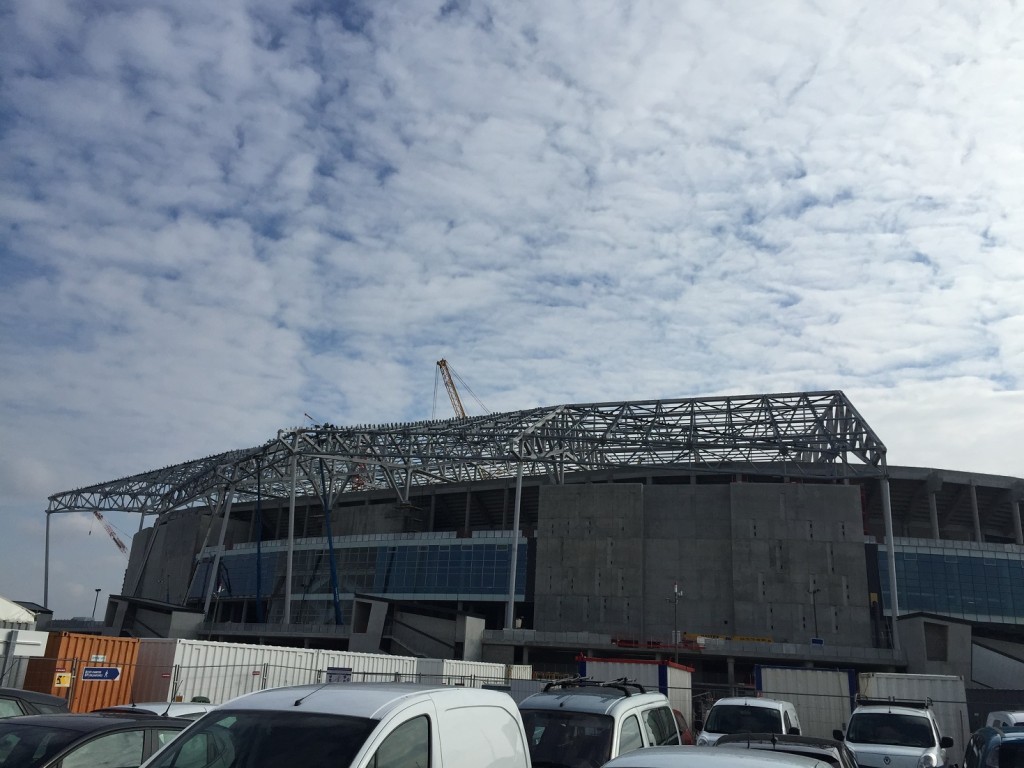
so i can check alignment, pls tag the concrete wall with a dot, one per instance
(171, 545)
(958, 647)
(590, 558)
(746, 557)
(376, 518)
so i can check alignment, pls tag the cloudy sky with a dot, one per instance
(216, 218)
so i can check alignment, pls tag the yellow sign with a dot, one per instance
(62, 680)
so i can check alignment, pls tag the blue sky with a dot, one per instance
(218, 217)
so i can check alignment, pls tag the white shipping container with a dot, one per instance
(184, 669)
(823, 697)
(472, 674)
(949, 701)
(673, 680)
(369, 667)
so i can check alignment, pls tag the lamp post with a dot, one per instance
(676, 594)
(814, 608)
(95, 600)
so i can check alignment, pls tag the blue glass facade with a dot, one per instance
(450, 569)
(974, 583)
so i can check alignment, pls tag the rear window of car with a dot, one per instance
(742, 718)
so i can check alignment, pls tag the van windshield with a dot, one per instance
(267, 739)
(890, 728)
(743, 718)
(560, 739)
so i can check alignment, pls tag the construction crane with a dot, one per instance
(450, 375)
(111, 532)
(449, 384)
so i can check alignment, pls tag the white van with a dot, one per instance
(750, 714)
(584, 723)
(354, 725)
(1005, 719)
(895, 734)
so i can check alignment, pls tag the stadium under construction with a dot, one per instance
(722, 532)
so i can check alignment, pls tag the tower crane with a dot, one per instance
(111, 532)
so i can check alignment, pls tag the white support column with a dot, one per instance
(46, 564)
(514, 554)
(291, 544)
(211, 581)
(1017, 532)
(974, 511)
(890, 546)
(933, 509)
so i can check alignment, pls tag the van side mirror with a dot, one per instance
(794, 731)
(946, 742)
(837, 735)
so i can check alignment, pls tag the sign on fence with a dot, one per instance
(339, 674)
(101, 673)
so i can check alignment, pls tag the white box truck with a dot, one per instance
(824, 698)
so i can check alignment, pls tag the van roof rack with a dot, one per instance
(619, 684)
(892, 701)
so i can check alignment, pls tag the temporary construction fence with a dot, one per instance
(86, 670)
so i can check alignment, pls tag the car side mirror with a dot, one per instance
(837, 735)
(794, 731)
(946, 742)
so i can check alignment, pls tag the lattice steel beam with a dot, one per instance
(809, 434)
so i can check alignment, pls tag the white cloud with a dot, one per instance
(217, 218)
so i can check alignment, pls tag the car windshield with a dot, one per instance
(560, 739)
(890, 728)
(743, 718)
(267, 739)
(26, 746)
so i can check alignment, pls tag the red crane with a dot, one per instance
(111, 532)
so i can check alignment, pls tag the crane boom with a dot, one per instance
(449, 384)
(111, 532)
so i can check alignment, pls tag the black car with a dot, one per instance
(830, 751)
(15, 702)
(83, 741)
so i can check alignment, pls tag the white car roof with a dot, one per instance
(753, 701)
(371, 700)
(894, 709)
(708, 757)
(592, 700)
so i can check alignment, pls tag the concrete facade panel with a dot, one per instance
(745, 556)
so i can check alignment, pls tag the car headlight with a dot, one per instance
(927, 761)
(702, 741)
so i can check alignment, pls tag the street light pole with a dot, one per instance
(94, 602)
(676, 594)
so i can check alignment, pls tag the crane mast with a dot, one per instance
(449, 384)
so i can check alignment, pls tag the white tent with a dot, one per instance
(13, 616)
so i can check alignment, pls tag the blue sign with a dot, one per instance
(101, 673)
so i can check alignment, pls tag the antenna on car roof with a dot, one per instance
(301, 699)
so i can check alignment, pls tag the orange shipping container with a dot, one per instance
(90, 671)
